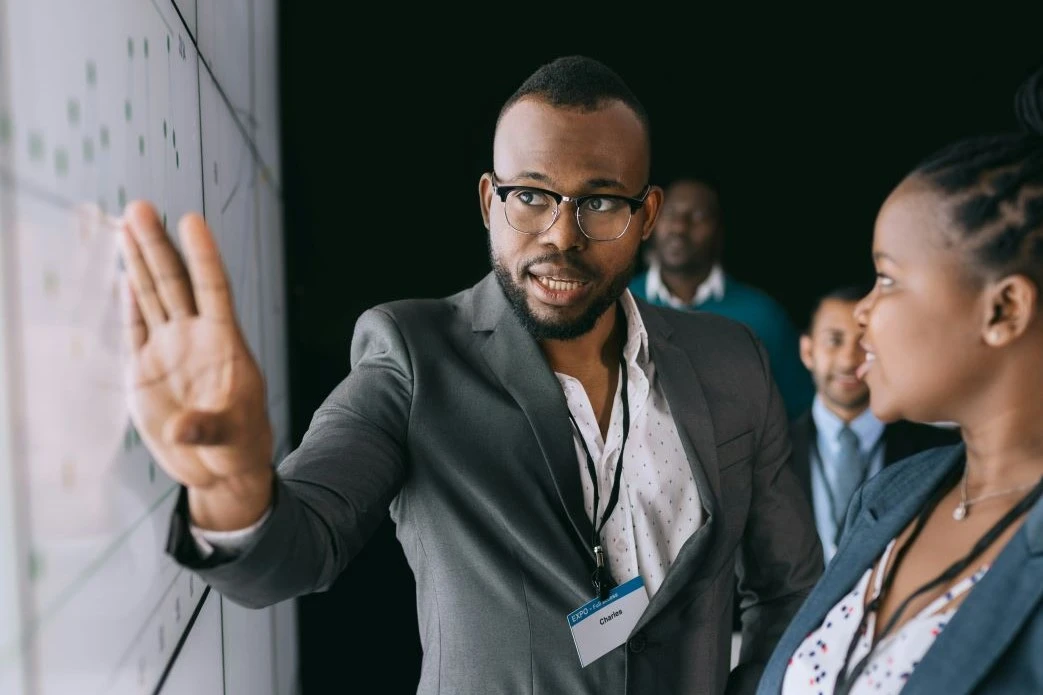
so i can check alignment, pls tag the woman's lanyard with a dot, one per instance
(820, 466)
(846, 681)
(602, 579)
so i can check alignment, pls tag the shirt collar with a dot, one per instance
(636, 349)
(711, 288)
(867, 426)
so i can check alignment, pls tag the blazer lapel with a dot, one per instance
(688, 405)
(877, 523)
(691, 414)
(985, 624)
(515, 358)
(802, 432)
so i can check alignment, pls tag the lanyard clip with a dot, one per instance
(599, 578)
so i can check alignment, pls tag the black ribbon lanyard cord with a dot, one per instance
(602, 578)
(846, 681)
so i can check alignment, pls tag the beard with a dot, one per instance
(695, 264)
(549, 329)
(856, 401)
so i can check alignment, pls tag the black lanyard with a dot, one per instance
(602, 579)
(820, 465)
(844, 681)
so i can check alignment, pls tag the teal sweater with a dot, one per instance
(771, 324)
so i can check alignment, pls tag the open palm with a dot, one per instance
(195, 392)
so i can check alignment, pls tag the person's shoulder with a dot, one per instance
(803, 423)
(716, 341)
(422, 305)
(696, 321)
(419, 314)
(737, 289)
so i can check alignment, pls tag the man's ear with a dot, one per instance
(1010, 304)
(485, 197)
(653, 203)
(805, 350)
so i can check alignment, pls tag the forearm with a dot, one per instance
(324, 505)
(328, 496)
(293, 552)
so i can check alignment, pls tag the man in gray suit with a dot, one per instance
(575, 476)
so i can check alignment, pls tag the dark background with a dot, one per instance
(807, 130)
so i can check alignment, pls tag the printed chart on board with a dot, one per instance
(102, 103)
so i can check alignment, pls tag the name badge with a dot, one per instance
(599, 626)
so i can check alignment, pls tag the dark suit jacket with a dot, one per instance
(994, 642)
(901, 440)
(451, 415)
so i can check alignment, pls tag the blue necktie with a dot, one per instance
(850, 470)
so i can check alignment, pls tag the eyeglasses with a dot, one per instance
(601, 217)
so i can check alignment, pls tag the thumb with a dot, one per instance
(199, 428)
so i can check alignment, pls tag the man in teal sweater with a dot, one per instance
(685, 272)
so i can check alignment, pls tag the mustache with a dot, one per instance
(567, 259)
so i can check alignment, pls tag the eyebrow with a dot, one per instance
(590, 183)
(881, 256)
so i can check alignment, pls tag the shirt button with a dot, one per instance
(637, 643)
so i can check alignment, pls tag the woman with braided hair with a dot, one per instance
(937, 586)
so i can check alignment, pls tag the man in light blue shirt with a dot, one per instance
(838, 443)
(832, 465)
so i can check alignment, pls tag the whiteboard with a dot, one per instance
(102, 102)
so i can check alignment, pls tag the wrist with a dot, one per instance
(232, 503)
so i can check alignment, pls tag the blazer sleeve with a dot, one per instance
(781, 555)
(333, 491)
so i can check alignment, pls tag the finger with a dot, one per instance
(135, 332)
(209, 280)
(198, 428)
(183, 465)
(163, 260)
(140, 278)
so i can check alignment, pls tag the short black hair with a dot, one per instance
(995, 185)
(843, 293)
(579, 82)
(711, 181)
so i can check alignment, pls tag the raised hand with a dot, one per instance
(196, 394)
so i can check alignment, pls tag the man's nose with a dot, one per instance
(565, 233)
(851, 354)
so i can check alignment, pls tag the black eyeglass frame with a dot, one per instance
(635, 204)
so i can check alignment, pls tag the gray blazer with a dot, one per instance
(993, 644)
(451, 417)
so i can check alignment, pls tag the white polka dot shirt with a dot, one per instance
(659, 506)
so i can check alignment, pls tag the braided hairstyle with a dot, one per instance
(995, 185)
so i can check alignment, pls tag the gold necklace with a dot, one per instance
(963, 508)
